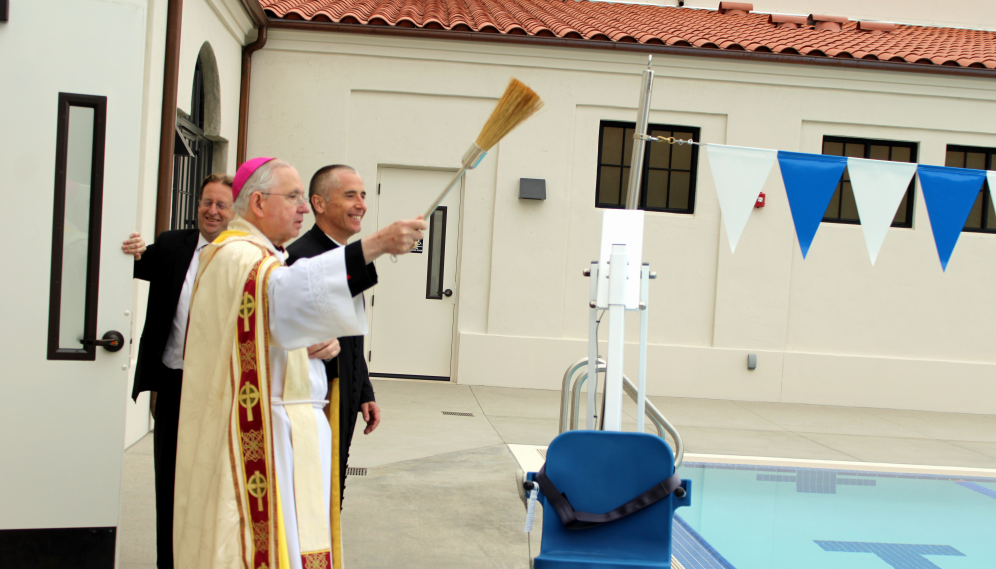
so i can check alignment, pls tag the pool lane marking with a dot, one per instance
(898, 555)
(980, 489)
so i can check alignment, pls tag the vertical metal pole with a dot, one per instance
(617, 337)
(641, 386)
(639, 145)
(592, 384)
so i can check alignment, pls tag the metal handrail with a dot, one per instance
(570, 402)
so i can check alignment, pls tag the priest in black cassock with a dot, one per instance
(338, 199)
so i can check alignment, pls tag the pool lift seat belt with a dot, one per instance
(572, 519)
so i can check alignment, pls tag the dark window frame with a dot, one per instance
(644, 176)
(429, 293)
(914, 148)
(87, 352)
(986, 195)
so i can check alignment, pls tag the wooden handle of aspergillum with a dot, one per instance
(442, 196)
(470, 160)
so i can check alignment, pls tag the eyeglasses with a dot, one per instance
(206, 204)
(296, 197)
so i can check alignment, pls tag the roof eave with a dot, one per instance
(840, 63)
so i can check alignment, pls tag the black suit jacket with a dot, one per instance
(350, 365)
(164, 265)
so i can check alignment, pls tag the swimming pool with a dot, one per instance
(777, 517)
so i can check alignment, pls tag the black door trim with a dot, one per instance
(406, 376)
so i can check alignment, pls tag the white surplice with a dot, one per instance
(307, 306)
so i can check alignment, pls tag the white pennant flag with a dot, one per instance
(739, 174)
(879, 187)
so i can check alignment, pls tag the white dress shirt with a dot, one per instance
(173, 354)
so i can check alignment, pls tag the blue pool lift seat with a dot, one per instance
(599, 471)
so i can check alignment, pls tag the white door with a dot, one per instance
(412, 307)
(70, 161)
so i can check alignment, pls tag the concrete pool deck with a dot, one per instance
(439, 489)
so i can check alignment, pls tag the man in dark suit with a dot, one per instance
(170, 266)
(338, 201)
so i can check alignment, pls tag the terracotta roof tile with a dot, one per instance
(651, 24)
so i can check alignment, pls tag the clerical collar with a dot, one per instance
(332, 240)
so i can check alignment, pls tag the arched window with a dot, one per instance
(192, 154)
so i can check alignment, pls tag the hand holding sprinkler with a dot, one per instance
(516, 105)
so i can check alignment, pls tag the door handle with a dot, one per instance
(447, 292)
(112, 341)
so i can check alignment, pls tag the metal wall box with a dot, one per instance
(532, 189)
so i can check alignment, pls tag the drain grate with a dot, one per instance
(350, 471)
(455, 414)
(542, 452)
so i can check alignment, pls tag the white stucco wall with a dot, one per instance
(223, 24)
(830, 329)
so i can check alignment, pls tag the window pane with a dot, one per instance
(612, 145)
(975, 217)
(833, 210)
(901, 212)
(79, 159)
(854, 150)
(833, 148)
(848, 207)
(627, 146)
(991, 219)
(624, 190)
(879, 152)
(681, 156)
(656, 189)
(608, 184)
(437, 237)
(902, 154)
(975, 160)
(955, 159)
(681, 183)
(660, 152)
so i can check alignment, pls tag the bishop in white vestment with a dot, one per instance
(254, 449)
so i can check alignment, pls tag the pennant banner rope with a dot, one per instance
(811, 179)
(879, 187)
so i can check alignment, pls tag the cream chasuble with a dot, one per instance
(254, 448)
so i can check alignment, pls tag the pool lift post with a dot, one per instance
(621, 283)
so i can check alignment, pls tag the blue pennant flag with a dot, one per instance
(949, 194)
(810, 180)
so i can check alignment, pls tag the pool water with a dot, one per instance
(764, 517)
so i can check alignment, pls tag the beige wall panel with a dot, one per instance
(928, 385)
(904, 306)
(677, 371)
(402, 129)
(680, 248)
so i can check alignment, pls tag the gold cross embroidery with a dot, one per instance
(248, 398)
(257, 488)
(246, 309)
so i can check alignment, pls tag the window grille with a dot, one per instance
(668, 180)
(982, 218)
